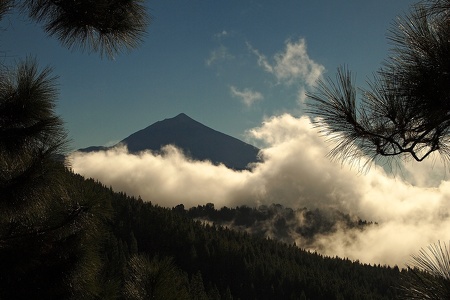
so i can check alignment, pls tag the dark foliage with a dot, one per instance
(429, 275)
(47, 224)
(4, 6)
(406, 111)
(32, 137)
(50, 226)
(103, 26)
(124, 248)
(154, 279)
(219, 263)
(37, 217)
(249, 267)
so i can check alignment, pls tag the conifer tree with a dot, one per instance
(154, 279)
(428, 276)
(104, 26)
(48, 227)
(197, 288)
(406, 111)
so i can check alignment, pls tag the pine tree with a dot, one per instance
(428, 275)
(35, 204)
(197, 288)
(104, 26)
(303, 296)
(405, 112)
(154, 279)
(49, 228)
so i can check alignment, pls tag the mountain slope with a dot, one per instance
(197, 141)
(235, 265)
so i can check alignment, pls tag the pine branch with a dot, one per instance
(74, 214)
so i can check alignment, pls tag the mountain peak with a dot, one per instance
(182, 116)
(195, 139)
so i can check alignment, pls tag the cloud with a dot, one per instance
(293, 65)
(168, 178)
(222, 34)
(218, 54)
(247, 96)
(295, 172)
(301, 95)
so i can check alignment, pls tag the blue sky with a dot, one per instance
(227, 64)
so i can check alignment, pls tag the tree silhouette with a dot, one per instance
(154, 279)
(31, 138)
(4, 6)
(50, 228)
(406, 110)
(104, 26)
(429, 274)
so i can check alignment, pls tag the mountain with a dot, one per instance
(197, 141)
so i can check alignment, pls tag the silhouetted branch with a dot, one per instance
(428, 276)
(104, 26)
(406, 111)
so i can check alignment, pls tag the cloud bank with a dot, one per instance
(295, 172)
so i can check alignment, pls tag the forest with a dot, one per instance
(130, 249)
(300, 226)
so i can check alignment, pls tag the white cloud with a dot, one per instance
(262, 59)
(168, 179)
(218, 54)
(293, 65)
(296, 173)
(247, 96)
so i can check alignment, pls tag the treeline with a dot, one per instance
(211, 262)
(131, 249)
(299, 226)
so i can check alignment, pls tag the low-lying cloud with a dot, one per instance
(294, 172)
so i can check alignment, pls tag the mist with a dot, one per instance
(410, 207)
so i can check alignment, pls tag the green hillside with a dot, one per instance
(209, 262)
(125, 248)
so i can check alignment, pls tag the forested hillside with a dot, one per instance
(167, 253)
(300, 226)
